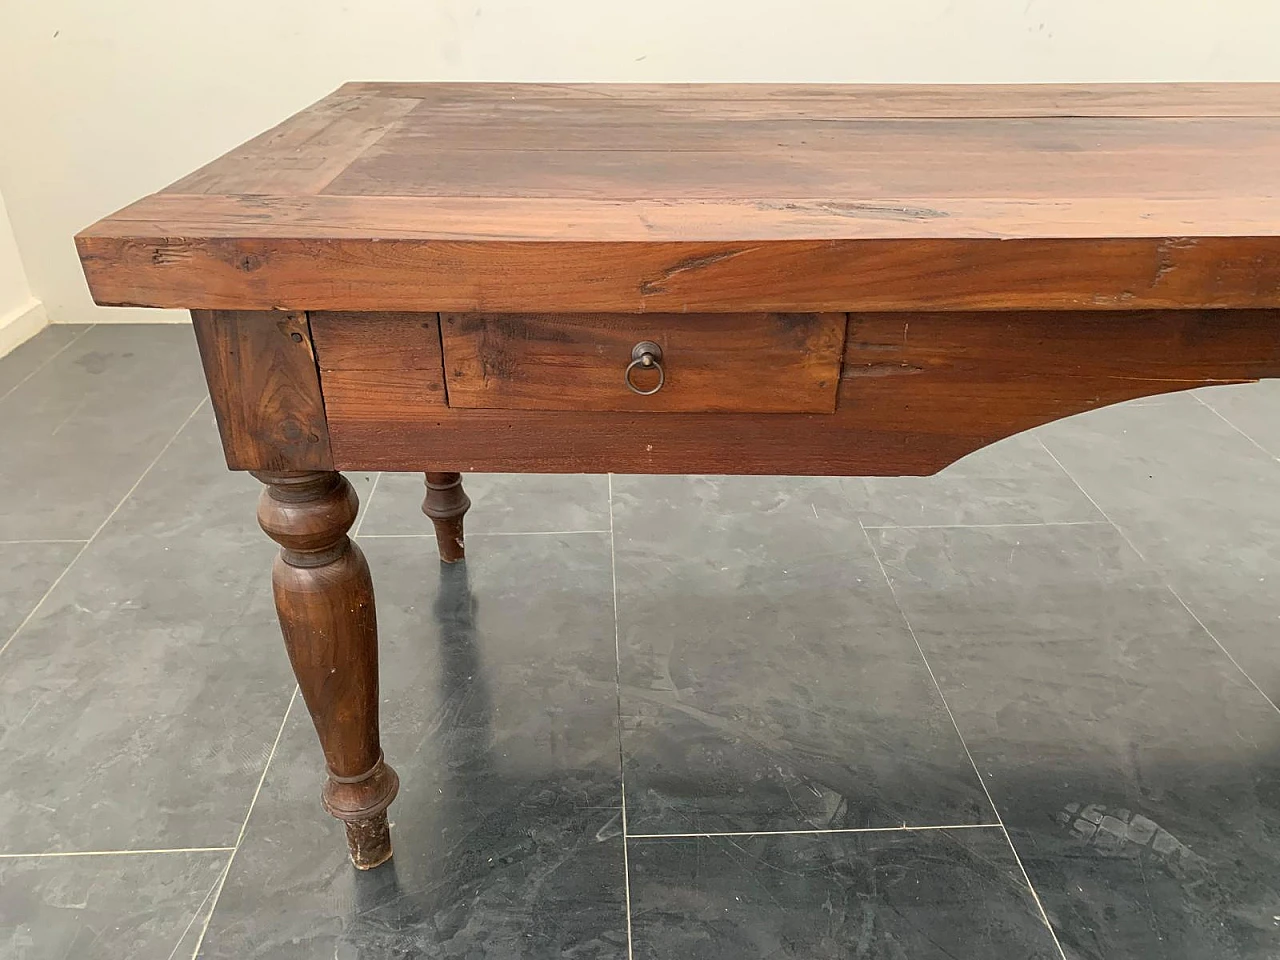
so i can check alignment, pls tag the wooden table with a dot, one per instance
(857, 280)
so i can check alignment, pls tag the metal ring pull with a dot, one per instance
(647, 355)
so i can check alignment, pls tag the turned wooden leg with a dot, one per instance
(324, 598)
(446, 503)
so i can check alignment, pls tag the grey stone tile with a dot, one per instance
(29, 570)
(500, 715)
(768, 685)
(1134, 766)
(103, 908)
(924, 896)
(500, 503)
(1161, 399)
(1202, 505)
(29, 357)
(138, 705)
(1253, 408)
(79, 433)
(768, 681)
(1013, 481)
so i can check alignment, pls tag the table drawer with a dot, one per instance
(677, 363)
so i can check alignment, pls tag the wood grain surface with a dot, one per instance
(740, 363)
(446, 503)
(722, 198)
(324, 600)
(375, 363)
(918, 391)
(265, 389)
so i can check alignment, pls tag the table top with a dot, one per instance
(649, 188)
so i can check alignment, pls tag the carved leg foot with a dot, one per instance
(324, 598)
(446, 504)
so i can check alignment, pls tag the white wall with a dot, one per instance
(21, 315)
(14, 291)
(107, 101)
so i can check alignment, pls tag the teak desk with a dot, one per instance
(858, 280)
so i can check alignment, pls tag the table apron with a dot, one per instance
(916, 392)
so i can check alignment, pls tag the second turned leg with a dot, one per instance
(446, 503)
(324, 598)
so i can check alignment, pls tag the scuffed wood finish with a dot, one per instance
(324, 599)
(723, 198)
(527, 219)
(378, 362)
(918, 391)
(797, 276)
(446, 503)
(303, 154)
(741, 363)
(647, 157)
(265, 389)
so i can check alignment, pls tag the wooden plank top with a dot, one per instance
(638, 197)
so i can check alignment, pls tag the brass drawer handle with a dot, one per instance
(647, 355)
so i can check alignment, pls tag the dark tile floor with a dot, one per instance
(1021, 709)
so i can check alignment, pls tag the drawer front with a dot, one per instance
(676, 363)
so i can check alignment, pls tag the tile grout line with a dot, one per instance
(806, 833)
(195, 915)
(983, 526)
(66, 346)
(114, 853)
(1163, 579)
(368, 505)
(486, 533)
(1214, 410)
(1026, 877)
(7, 543)
(1213, 637)
(244, 826)
(88, 543)
(622, 771)
(1102, 513)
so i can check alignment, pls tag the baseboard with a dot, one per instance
(21, 324)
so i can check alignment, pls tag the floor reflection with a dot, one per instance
(465, 692)
(509, 841)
